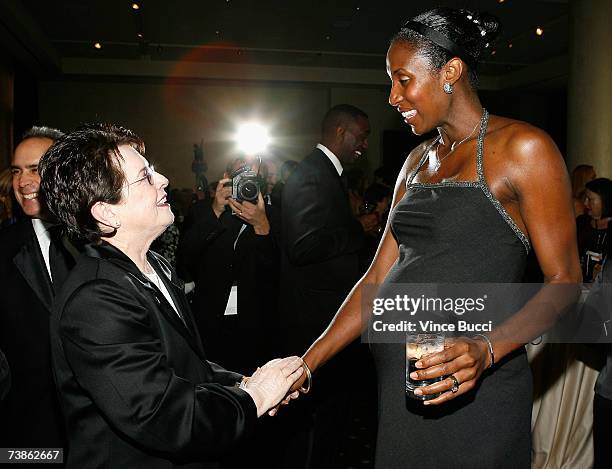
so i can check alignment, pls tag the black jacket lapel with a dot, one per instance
(166, 274)
(29, 261)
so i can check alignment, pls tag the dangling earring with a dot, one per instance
(448, 88)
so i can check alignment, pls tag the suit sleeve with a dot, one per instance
(118, 359)
(306, 212)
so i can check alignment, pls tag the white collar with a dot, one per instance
(44, 239)
(333, 158)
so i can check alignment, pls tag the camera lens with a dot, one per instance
(248, 190)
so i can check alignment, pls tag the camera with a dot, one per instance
(245, 184)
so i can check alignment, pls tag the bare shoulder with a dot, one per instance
(529, 149)
(523, 143)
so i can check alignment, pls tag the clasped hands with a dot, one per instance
(270, 385)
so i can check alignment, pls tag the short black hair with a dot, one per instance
(603, 188)
(473, 32)
(339, 116)
(81, 169)
(42, 132)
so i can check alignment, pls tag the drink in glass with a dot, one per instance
(420, 346)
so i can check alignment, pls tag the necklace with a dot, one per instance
(453, 147)
(152, 275)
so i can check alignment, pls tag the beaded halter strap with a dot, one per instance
(481, 182)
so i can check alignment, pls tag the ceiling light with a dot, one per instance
(493, 52)
(327, 38)
(539, 31)
(252, 138)
(135, 6)
(139, 35)
(500, 1)
(97, 45)
(510, 45)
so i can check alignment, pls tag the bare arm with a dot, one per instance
(347, 325)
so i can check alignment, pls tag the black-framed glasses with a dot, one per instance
(149, 172)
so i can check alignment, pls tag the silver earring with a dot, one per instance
(448, 88)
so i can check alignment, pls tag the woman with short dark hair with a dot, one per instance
(134, 383)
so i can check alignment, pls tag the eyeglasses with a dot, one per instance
(149, 172)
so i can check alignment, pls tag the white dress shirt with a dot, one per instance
(44, 240)
(333, 158)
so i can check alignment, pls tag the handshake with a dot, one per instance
(276, 383)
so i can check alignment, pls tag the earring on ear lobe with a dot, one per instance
(117, 225)
(448, 88)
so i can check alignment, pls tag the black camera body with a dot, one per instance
(245, 184)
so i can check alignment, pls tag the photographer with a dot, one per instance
(229, 249)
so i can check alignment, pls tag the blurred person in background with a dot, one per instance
(7, 201)
(285, 171)
(229, 248)
(594, 228)
(581, 174)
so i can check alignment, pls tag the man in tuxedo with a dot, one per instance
(33, 263)
(321, 243)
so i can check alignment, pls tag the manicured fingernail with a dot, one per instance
(418, 392)
(414, 375)
(425, 402)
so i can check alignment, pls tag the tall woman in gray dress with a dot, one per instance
(468, 206)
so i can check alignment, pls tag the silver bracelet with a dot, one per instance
(489, 346)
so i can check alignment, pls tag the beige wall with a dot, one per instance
(589, 92)
(172, 116)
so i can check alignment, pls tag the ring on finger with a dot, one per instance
(455, 387)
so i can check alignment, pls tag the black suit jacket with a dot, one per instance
(30, 414)
(321, 241)
(135, 386)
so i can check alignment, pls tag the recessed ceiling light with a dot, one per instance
(539, 31)
(510, 45)
(135, 6)
(139, 35)
(500, 1)
(97, 45)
